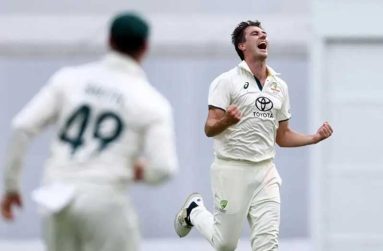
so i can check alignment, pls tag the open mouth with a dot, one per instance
(262, 46)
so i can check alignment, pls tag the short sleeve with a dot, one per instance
(219, 93)
(284, 113)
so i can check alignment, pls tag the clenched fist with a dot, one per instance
(323, 132)
(232, 115)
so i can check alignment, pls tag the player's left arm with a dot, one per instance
(159, 161)
(286, 137)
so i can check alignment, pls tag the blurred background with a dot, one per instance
(329, 52)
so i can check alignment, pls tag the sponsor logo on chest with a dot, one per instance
(263, 107)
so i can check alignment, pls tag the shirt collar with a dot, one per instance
(123, 62)
(243, 65)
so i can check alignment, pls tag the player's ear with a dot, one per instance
(241, 46)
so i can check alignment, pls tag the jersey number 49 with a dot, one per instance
(79, 121)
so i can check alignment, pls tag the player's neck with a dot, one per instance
(258, 68)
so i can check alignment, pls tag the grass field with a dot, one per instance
(164, 245)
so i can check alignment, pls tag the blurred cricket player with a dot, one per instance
(249, 112)
(108, 117)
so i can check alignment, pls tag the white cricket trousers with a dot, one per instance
(100, 218)
(241, 190)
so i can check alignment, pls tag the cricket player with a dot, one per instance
(249, 112)
(108, 118)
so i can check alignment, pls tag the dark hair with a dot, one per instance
(238, 35)
(128, 32)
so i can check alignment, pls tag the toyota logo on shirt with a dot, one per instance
(264, 104)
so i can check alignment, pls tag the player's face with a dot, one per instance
(256, 42)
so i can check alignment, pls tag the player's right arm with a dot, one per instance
(8, 202)
(219, 120)
(39, 112)
(222, 113)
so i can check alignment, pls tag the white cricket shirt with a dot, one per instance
(107, 114)
(253, 137)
